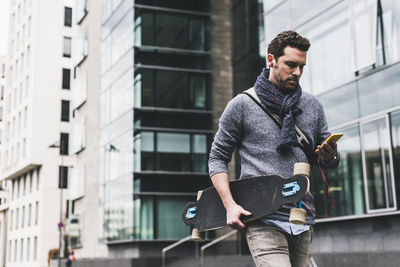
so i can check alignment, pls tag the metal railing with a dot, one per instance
(177, 243)
(164, 251)
(215, 241)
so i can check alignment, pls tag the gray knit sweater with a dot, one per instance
(245, 125)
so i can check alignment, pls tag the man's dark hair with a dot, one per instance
(287, 38)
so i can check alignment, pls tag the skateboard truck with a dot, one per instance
(294, 186)
(298, 215)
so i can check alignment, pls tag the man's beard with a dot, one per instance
(289, 85)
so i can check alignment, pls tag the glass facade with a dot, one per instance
(360, 94)
(156, 116)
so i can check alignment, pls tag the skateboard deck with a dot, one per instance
(261, 195)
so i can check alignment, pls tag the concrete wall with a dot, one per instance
(88, 206)
(361, 242)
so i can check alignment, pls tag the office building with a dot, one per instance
(3, 184)
(161, 64)
(36, 128)
(353, 68)
(84, 224)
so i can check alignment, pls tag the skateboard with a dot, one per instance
(261, 195)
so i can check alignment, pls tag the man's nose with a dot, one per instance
(297, 71)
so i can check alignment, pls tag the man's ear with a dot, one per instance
(270, 60)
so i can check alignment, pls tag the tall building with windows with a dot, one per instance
(156, 118)
(36, 128)
(84, 228)
(353, 68)
(161, 65)
(4, 191)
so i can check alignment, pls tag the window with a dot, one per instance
(23, 217)
(21, 255)
(29, 214)
(37, 179)
(9, 250)
(67, 47)
(80, 47)
(13, 190)
(28, 55)
(80, 10)
(179, 152)
(19, 122)
(74, 234)
(389, 16)
(29, 25)
(323, 31)
(339, 109)
(173, 149)
(16, 218)
(158, 212)
(66, 79)
(30, 182)
(76, 181)
(26, 86)
(64, 143)
(18, 186)
(36, 212)
(78, 135)
(28, 249)
(67, 16)
(64, 110)
(395, 133)
(15, 249)
(63, 177)
(80, 90)
(35, 244)
(363, 25)
(379, 179)
(171, 89)
(171, 30)
(11, 219)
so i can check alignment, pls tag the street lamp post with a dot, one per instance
(60, 225)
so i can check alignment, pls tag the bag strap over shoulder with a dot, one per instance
(304, 142)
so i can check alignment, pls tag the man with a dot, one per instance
(266, 148)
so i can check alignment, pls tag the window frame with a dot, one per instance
(67, 16)
(365, 177)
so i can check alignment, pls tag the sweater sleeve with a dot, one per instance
(323, 133)
(228, 135)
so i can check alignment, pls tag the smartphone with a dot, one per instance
(332, 137)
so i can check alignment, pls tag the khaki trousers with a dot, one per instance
(273, 247)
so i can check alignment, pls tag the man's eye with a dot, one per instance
(291, 64)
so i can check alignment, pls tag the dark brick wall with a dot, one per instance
(221, 58)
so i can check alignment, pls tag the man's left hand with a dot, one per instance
(328, 152)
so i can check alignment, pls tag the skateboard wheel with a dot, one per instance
(301, 168)
(197, 236)
(199, 194)
(297, 216)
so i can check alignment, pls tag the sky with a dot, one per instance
(3, 26)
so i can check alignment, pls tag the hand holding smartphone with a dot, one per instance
(332, 137)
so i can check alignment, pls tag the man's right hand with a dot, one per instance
(233, 210)
(233, 214)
